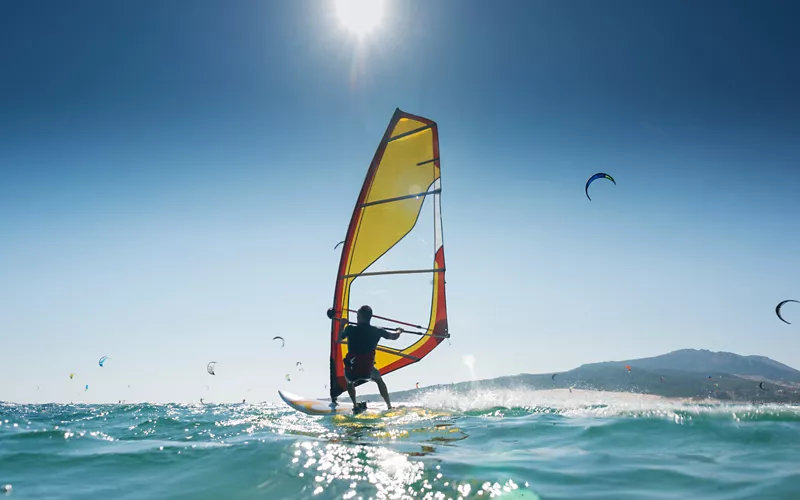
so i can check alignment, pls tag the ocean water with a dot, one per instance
(513, 444)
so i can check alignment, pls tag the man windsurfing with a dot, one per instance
(359, 364)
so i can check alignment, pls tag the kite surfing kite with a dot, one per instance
(71, 375)
(399, 198)
(299, 366)
(337, 245)
(778, 310)
(102, 360)
(761, 386)
(594, 178)
(210, 368)
(283, 342)
(553, 378)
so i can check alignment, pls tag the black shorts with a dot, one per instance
(374, 376)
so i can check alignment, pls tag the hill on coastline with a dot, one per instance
(686, 373)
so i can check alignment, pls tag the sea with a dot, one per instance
(513, 444)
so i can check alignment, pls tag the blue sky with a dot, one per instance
(173, 176)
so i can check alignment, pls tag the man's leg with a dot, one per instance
(351, 390)
(376, 376)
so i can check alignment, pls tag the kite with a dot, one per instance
(210, 368)
(553, 377)
(761, 386)
(594, 178)
(71, 375)
(102, 360)
(283, 342)
(337, 245)
(288, 378)
(628, 367)
(299, 366)
(778, 310)
(86, 388)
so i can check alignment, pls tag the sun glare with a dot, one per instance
(360, 16)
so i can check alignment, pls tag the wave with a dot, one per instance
(596, 404)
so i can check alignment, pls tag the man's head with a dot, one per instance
(364, 314)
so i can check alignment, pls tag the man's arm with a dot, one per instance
(391, 335)
(344, 333)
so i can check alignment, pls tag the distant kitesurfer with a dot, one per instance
(359, 364)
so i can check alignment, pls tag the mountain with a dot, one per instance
(686, 373)
(704, 361)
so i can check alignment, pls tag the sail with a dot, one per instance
(404, 177)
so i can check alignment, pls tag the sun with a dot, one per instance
(360, 16)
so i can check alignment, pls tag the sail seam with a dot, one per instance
(402, 271)
(410, 132)
(400, 198)
(391, 351)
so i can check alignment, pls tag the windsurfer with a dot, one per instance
(359, 364)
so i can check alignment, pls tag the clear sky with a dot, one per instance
(174, 175)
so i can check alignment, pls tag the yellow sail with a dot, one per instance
(404, 173)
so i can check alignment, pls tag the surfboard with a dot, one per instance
(317, 407)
